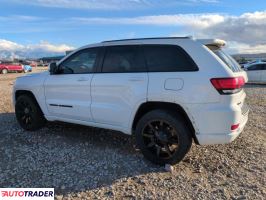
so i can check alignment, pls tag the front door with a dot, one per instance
(67, 92)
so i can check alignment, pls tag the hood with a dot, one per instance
(34, 74)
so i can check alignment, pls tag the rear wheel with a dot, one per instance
(4, 71)
(28, 113)
(163, 137)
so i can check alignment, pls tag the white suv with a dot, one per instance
(165, 91)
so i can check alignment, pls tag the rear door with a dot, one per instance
(67, 93)
(254, 72)
(120, 86)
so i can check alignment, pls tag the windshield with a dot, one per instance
(228, 60)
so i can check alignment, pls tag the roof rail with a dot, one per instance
(152, 38)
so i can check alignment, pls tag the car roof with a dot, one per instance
(212, 42)
(151, 38)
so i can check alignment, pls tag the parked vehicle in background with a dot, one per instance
(33, 64)
(27, 68)
(256, 72)
(257, 61)
(6, 68)
(166, 91)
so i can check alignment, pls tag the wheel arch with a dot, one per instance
(173, 107)
(4, 69)
(18, 93)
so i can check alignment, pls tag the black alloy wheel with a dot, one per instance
(163, 137)
(28, 113)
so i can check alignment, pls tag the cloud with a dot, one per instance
(9, 49)
(108, 4)
(235, 47)
(20, 18)
(246, 31)
(84, 4)
(190, 20)
(9, 46)
(247, 28)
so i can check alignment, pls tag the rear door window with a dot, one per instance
(123, 59)
(168, 58)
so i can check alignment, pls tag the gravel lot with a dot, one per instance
(88, 163)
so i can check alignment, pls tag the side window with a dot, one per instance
(255, 67)
(168, 58)
(80, 63)
(123, 59)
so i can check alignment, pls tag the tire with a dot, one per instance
(29, 114)
(166, 131)
(4, 71)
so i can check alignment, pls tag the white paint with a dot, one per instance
(111, 100)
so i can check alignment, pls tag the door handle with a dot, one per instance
(83, 79)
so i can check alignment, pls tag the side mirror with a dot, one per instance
(53, 68)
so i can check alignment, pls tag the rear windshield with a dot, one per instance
(228, 60)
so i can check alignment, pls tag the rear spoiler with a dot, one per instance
(212, 42)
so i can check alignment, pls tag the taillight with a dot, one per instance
(228, 85)
(234, 127)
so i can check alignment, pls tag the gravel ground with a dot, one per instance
(89, 163)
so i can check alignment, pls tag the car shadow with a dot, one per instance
(70, 158)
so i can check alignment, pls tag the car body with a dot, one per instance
(27, 68)
(5, 68)
(256, 72)
(126, 85)
(33, 64)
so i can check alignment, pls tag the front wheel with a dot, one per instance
(4, 71)
(163, 137)
(28, 113)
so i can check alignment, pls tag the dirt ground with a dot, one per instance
(89, 163)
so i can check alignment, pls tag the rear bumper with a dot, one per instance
(222, 138)
(212, 122)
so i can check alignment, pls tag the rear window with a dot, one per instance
(168, 58)
(228, 60)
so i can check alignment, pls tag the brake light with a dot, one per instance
(228, 85)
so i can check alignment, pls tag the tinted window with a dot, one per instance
(256, 67)
(123, 59)
(80, 63)
(228, 60)
(167, 58)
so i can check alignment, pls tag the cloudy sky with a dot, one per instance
(50, 27)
